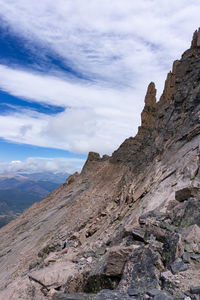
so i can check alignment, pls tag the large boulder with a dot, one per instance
(108, 270)
(187, 213)
(54, 276)
(186, 193)
(117, 257)
(140, 272)
(178, 266)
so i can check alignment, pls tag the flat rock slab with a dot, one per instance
(54, 275)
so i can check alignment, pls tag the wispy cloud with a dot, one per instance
(117, 48)
(95, 118)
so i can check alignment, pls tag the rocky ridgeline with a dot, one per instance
(132, 220)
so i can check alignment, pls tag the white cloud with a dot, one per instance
(78, 130)
(38, 164)
(121, 45)
(95, 119)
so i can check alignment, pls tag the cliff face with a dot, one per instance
(137, 208)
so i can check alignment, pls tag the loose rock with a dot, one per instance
(195, 289)
(178, 266)
(163, 295)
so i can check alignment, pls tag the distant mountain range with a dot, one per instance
(19, 191)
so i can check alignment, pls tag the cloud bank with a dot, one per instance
(37, 164)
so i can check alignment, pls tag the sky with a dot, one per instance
(74, 73)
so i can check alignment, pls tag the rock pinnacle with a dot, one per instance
(196, 39)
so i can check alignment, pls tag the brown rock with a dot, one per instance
(150, 98)
(159, 233)
(72, 178)
(186, 193)
(116, 259)
(170, 83)
(93, 156)
(148, 113)
(55, 275)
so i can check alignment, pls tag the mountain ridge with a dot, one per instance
(18, 192)
(136, 210)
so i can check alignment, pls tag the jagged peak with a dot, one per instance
(196, 39)
(93, 156)
(170, 83)
(150, 98)
(93, 161)
(148, 113)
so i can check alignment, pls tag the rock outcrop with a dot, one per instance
(196, 39)
(132, 220)
(149, 112)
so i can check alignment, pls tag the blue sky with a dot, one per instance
(73, 74)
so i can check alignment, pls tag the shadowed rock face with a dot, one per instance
(196, 39)
(138, 203)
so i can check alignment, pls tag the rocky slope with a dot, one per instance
(132, 220)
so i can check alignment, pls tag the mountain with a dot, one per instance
(48, 176)
(18, 192)
(132, 220)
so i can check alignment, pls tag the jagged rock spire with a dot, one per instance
(150, 98)
(196, 39)
(170, 85)
(148, 113)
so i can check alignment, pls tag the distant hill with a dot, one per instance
(48, 176)
(19, 191)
